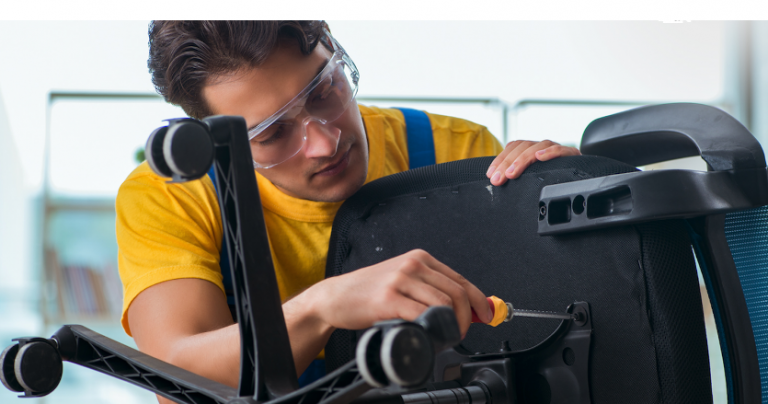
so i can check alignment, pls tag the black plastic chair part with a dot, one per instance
(730, 230)
(597, 230)
(640, 281)
(665, 132)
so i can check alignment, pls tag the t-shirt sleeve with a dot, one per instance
(457, 139)
(165, 232)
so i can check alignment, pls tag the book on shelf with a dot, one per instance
(84, 291)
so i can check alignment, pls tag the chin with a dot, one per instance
(347, 183)
(344, 190)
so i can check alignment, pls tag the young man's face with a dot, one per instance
(323, 170)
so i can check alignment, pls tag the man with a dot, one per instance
(313, 147)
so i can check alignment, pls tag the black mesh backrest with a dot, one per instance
(648, 343)
(747, 235)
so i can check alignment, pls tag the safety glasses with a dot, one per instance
(324, 100)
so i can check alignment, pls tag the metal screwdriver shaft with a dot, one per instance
(504, 311)
(513, 312)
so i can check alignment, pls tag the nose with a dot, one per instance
(322, 138)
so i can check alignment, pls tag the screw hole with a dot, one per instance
(569, 357)
(579, 203)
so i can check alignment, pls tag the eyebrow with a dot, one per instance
(311, 83)
(320, 70)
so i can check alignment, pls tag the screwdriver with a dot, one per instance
(504, 311)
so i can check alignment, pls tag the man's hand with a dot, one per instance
(401, 287)
(520, 154)
(176, 320)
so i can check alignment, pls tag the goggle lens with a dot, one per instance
(325, 102)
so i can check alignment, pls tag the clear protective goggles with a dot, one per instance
(324, 100)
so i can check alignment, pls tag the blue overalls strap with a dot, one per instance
(421, 145)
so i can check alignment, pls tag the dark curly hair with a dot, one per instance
(184, 55)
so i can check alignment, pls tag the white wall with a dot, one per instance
(510, 60)
(18, 292)
(550, 59)
(64, 55)
(14, 213)
(513, 60)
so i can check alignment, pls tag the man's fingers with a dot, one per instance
(401, 287)
(459, 288)
(526, 158)
(496, 161)
(457, 295)
(556, 151)
(407, 308)
(426, 294)
(506, 160)
(520, 154)
(507, 149)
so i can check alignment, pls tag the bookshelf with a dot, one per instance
(81, 283)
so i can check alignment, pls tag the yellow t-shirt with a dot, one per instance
(174, 231)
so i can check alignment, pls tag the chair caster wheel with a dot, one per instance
(7, 375)
(407, 355)
(183, 150)
(32, 366)
(397, 353)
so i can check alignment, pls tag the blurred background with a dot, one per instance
(77, 104)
